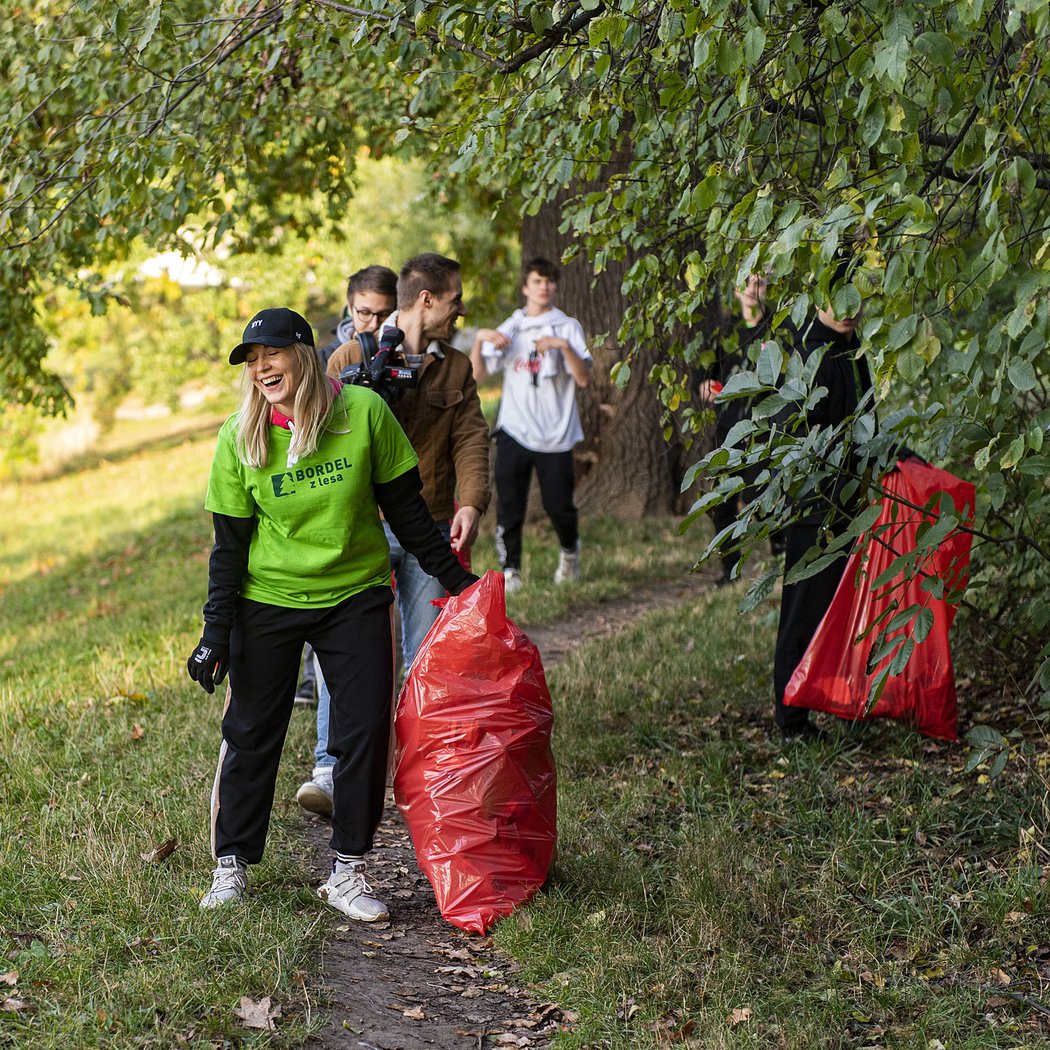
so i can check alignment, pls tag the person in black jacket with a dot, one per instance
(847, 377)
(752, 325)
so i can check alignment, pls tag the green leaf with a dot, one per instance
(1022, 375)
(760, 216)
(864, 521)
(741, 383)
(938, 47)
(150, 27)
(770, 363)
(729, 56)
(1013, 454)
(901, 658)
(706, 193)
(901, 332)
(426, 19)
(759, 590)
(754, 45)
(998, 764)
(620, 374)
(985, 736)
(800, 572)
(923, 625)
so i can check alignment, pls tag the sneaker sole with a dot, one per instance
(314, 800)
(356, 916)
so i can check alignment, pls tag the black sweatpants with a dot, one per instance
(513, 473)
(802, 607)
(353, 642)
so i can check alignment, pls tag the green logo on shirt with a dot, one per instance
(326, 473)
(283, 484)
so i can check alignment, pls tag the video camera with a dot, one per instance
(374, 371)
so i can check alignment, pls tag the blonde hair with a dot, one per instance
(311, 412)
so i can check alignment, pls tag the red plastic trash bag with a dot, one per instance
(474, 773)
(837, 672)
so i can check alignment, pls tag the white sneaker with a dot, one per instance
(228, 882)
(568, 565)
(348, 892)
(512, 581)
(315, 796)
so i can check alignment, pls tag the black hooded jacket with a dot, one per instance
(847, 377)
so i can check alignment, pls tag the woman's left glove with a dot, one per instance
(211, 659)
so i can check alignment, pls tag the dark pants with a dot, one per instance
(354, 643)
(802, 607)
(513, 472)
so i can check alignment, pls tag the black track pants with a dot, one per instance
(353, 642)
(513, 474)
(802, 607)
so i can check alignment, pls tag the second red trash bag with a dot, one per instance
(836, 673)
(474, 773)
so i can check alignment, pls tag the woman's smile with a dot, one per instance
(277, 374)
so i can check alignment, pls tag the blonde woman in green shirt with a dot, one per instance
(300, 475)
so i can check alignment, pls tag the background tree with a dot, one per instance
(692, 142)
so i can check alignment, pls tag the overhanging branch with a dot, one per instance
(550, 38)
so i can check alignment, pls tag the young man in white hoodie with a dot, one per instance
(544, 357)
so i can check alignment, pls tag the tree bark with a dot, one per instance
(624, 467)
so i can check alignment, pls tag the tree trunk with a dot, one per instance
(624, 467)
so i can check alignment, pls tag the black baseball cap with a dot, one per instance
(277, 327)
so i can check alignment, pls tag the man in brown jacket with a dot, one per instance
(443, 419)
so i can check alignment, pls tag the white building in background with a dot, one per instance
(187, 271)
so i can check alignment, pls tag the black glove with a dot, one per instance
(909, 453)
(470, 580)
(210, 660)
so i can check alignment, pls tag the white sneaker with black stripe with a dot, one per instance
(228, 882)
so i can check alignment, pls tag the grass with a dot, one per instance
(716, 889)
(712, 889)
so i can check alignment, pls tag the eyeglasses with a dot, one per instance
(367, 315)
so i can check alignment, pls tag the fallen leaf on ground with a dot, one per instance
(416, 1013)
(11, 977)
(137, 732)
(13, 1005)
(160, 852)
(258, 1014)
(741, 1015)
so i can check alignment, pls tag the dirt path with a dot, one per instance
(416, 982)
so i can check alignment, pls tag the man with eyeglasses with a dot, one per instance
(371, 297)
(443, 420)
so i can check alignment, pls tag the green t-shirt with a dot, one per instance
(318, 538)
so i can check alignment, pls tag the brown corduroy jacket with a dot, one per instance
(443, 420)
